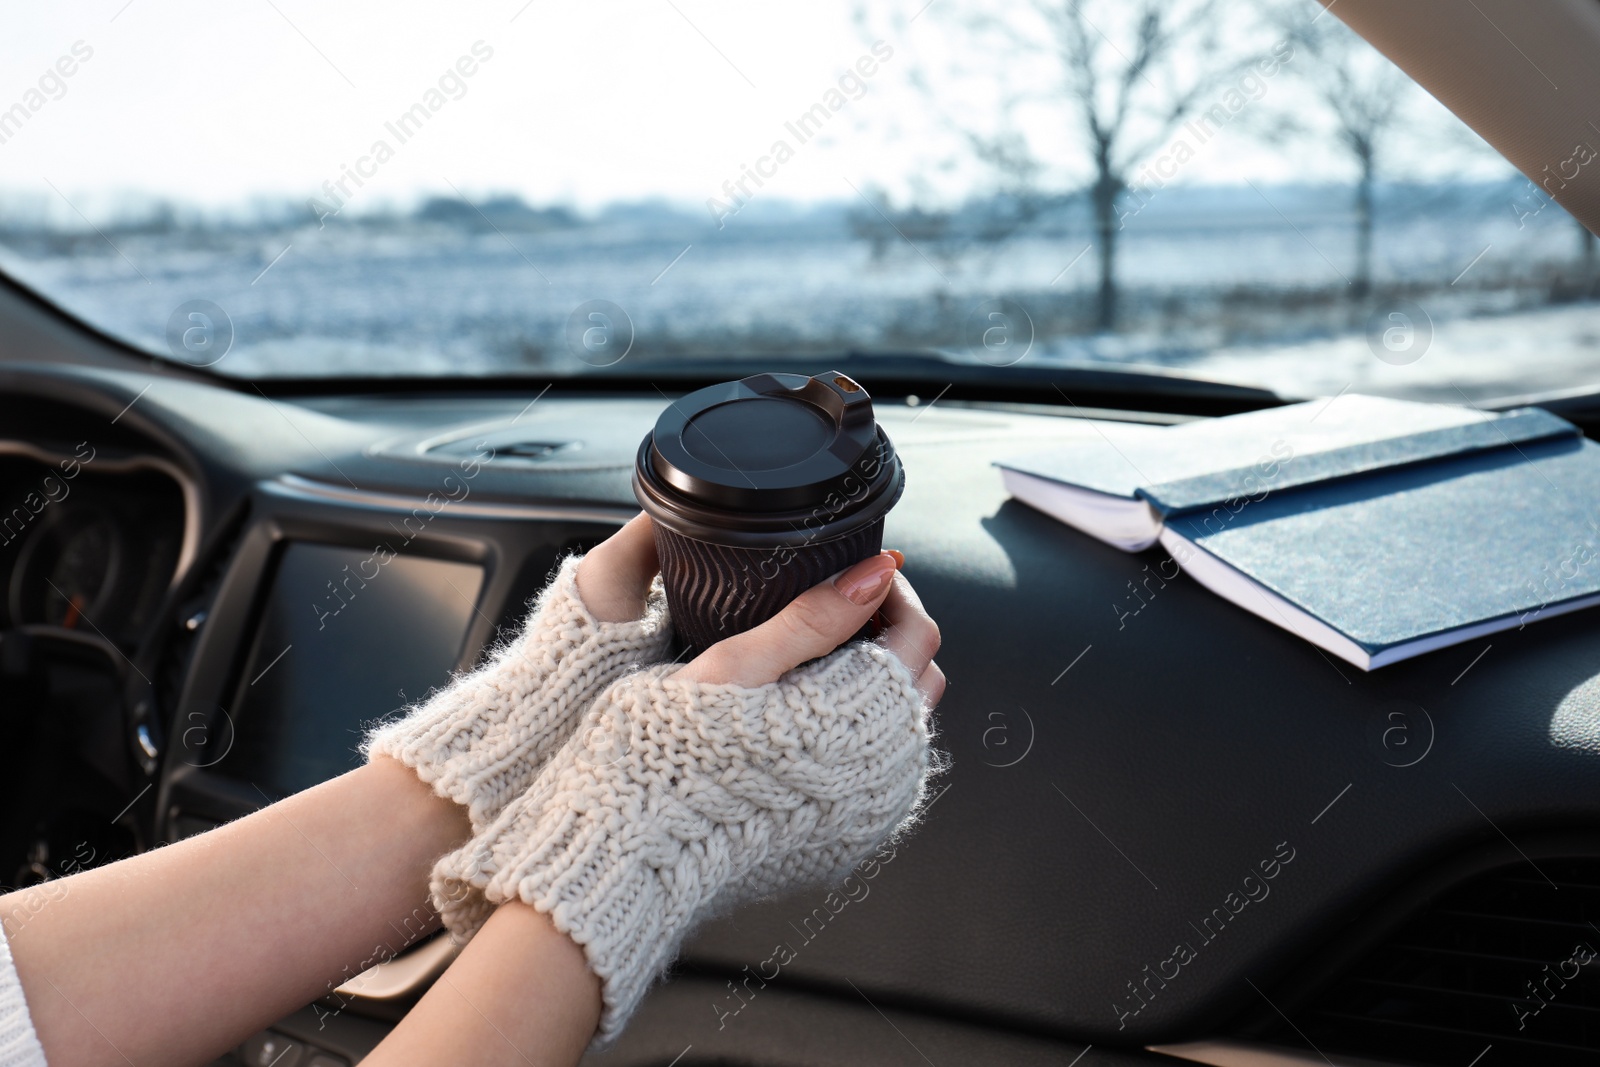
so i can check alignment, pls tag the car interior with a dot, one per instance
(216, 577)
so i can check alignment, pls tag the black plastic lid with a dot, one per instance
(762, 453)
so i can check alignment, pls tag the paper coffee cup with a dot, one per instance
(759, 489)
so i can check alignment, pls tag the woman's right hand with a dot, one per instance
(824, 617)
(776, 760)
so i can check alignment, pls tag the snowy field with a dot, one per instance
(1223, 284)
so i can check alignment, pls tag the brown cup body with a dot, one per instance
(716, 591)
(758, 490)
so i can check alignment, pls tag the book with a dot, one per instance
(1376, 529)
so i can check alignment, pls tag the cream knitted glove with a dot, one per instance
(677, 800)
(481, 741)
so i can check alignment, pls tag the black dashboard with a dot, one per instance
(1171, 827)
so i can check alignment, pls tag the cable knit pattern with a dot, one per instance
(19, 1044)
(481, 741)
(677, 800)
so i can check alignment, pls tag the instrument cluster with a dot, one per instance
(89, 541)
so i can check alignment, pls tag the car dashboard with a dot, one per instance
(1171, 831)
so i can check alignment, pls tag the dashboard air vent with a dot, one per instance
(1509, 959)
(507, 446)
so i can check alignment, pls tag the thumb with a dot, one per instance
(813, 624)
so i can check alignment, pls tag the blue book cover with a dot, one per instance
(1393, 564)
(1388, 530)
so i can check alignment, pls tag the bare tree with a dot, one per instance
(1364, 97)
(1117, 79)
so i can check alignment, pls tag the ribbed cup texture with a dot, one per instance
(716, 591)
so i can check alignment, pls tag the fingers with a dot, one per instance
(814, 624)
(913, 636)
(911, 632)
(931, 682)
(614, 577)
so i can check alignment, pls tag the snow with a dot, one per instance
(1233, 284)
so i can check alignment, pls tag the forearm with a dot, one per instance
(178, 954)
(520, 992)
(184, 950)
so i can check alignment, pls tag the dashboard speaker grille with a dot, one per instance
(1509, 959)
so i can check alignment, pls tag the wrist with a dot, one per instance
(420, 814)
(481, 741)
(520, 984)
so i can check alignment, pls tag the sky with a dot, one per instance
(582, 104)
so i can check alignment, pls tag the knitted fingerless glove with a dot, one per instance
(677, 800)
(481, 741)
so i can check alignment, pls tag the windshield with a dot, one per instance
(1240, 191)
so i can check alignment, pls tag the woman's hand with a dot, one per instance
(481, 740)
(615, 578)
(615, 575)
(824, 617)
(777, 759)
